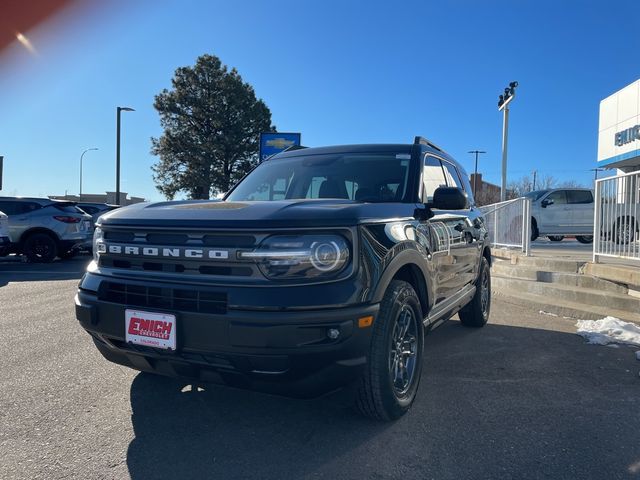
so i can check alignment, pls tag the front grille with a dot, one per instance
(145, 240)
(163, 298)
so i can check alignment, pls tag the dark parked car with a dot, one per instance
(324, 267)
(95, 209)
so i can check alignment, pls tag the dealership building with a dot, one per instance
(619, 130)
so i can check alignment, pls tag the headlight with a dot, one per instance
(300, 256)
(98, 243)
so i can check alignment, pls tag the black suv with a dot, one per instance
(323, 267)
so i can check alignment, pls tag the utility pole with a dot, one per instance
(475, 171)
(595, 172)
(503, 105)
(535, 173)
(119, 109)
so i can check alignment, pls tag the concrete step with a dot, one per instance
(505, 269)
(584, 296)
(547, 264)
(562, 308)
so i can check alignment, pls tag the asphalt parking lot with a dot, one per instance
(523, 397)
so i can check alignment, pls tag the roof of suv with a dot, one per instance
(41, 201)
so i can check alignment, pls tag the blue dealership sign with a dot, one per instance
(276, 142)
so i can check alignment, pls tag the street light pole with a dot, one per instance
(81, 156)
(475, 172)
(119, 109)
(503, 104)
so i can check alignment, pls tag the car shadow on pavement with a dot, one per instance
(17, 271)
(497, 402)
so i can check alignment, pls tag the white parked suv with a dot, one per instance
(559, 212)
(4, 234)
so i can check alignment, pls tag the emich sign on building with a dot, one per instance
(619, 130)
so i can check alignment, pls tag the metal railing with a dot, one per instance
(509, 223)
(616, 229)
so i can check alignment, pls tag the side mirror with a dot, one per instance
(450, 198)
(546, 202)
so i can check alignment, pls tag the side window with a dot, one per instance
(432, 177)
(559, 197)
(453, 179)
(27, 207)
(8, 208)
(579, 196)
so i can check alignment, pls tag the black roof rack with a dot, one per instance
(293, 147)
(423, 141)
(288, 149)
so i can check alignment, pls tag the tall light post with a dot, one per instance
(119, 109)
(81, 157)
(503, 104)
(475, 171)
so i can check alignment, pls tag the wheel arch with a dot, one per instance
(406, 268)
(486, 253)
(35, 230)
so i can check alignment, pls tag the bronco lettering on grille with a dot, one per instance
(205, 253)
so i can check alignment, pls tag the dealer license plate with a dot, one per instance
(150, 329)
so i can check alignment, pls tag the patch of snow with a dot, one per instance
(609, 330)
(542, 312)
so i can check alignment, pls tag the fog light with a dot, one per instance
(333, 333)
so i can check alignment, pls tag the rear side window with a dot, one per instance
(579, 196)
(453, 179)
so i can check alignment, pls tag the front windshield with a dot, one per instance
(365, 177)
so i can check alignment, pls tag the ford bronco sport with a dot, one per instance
(323, 267)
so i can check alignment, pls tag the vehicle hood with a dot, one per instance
(276, 214)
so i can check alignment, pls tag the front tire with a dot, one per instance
(389, 385)
(40, 248)
(535, 233)
(556, 238)
(476, 312)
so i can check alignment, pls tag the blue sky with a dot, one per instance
(337, 71)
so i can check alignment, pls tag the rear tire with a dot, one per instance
(40, 248)
(389, 384)
(624, 231)
(556, 238)
(476, 312)
(584, 238)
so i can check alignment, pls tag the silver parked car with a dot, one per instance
(43, 229)
(558, 212)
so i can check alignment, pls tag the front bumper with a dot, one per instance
(282, 352)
